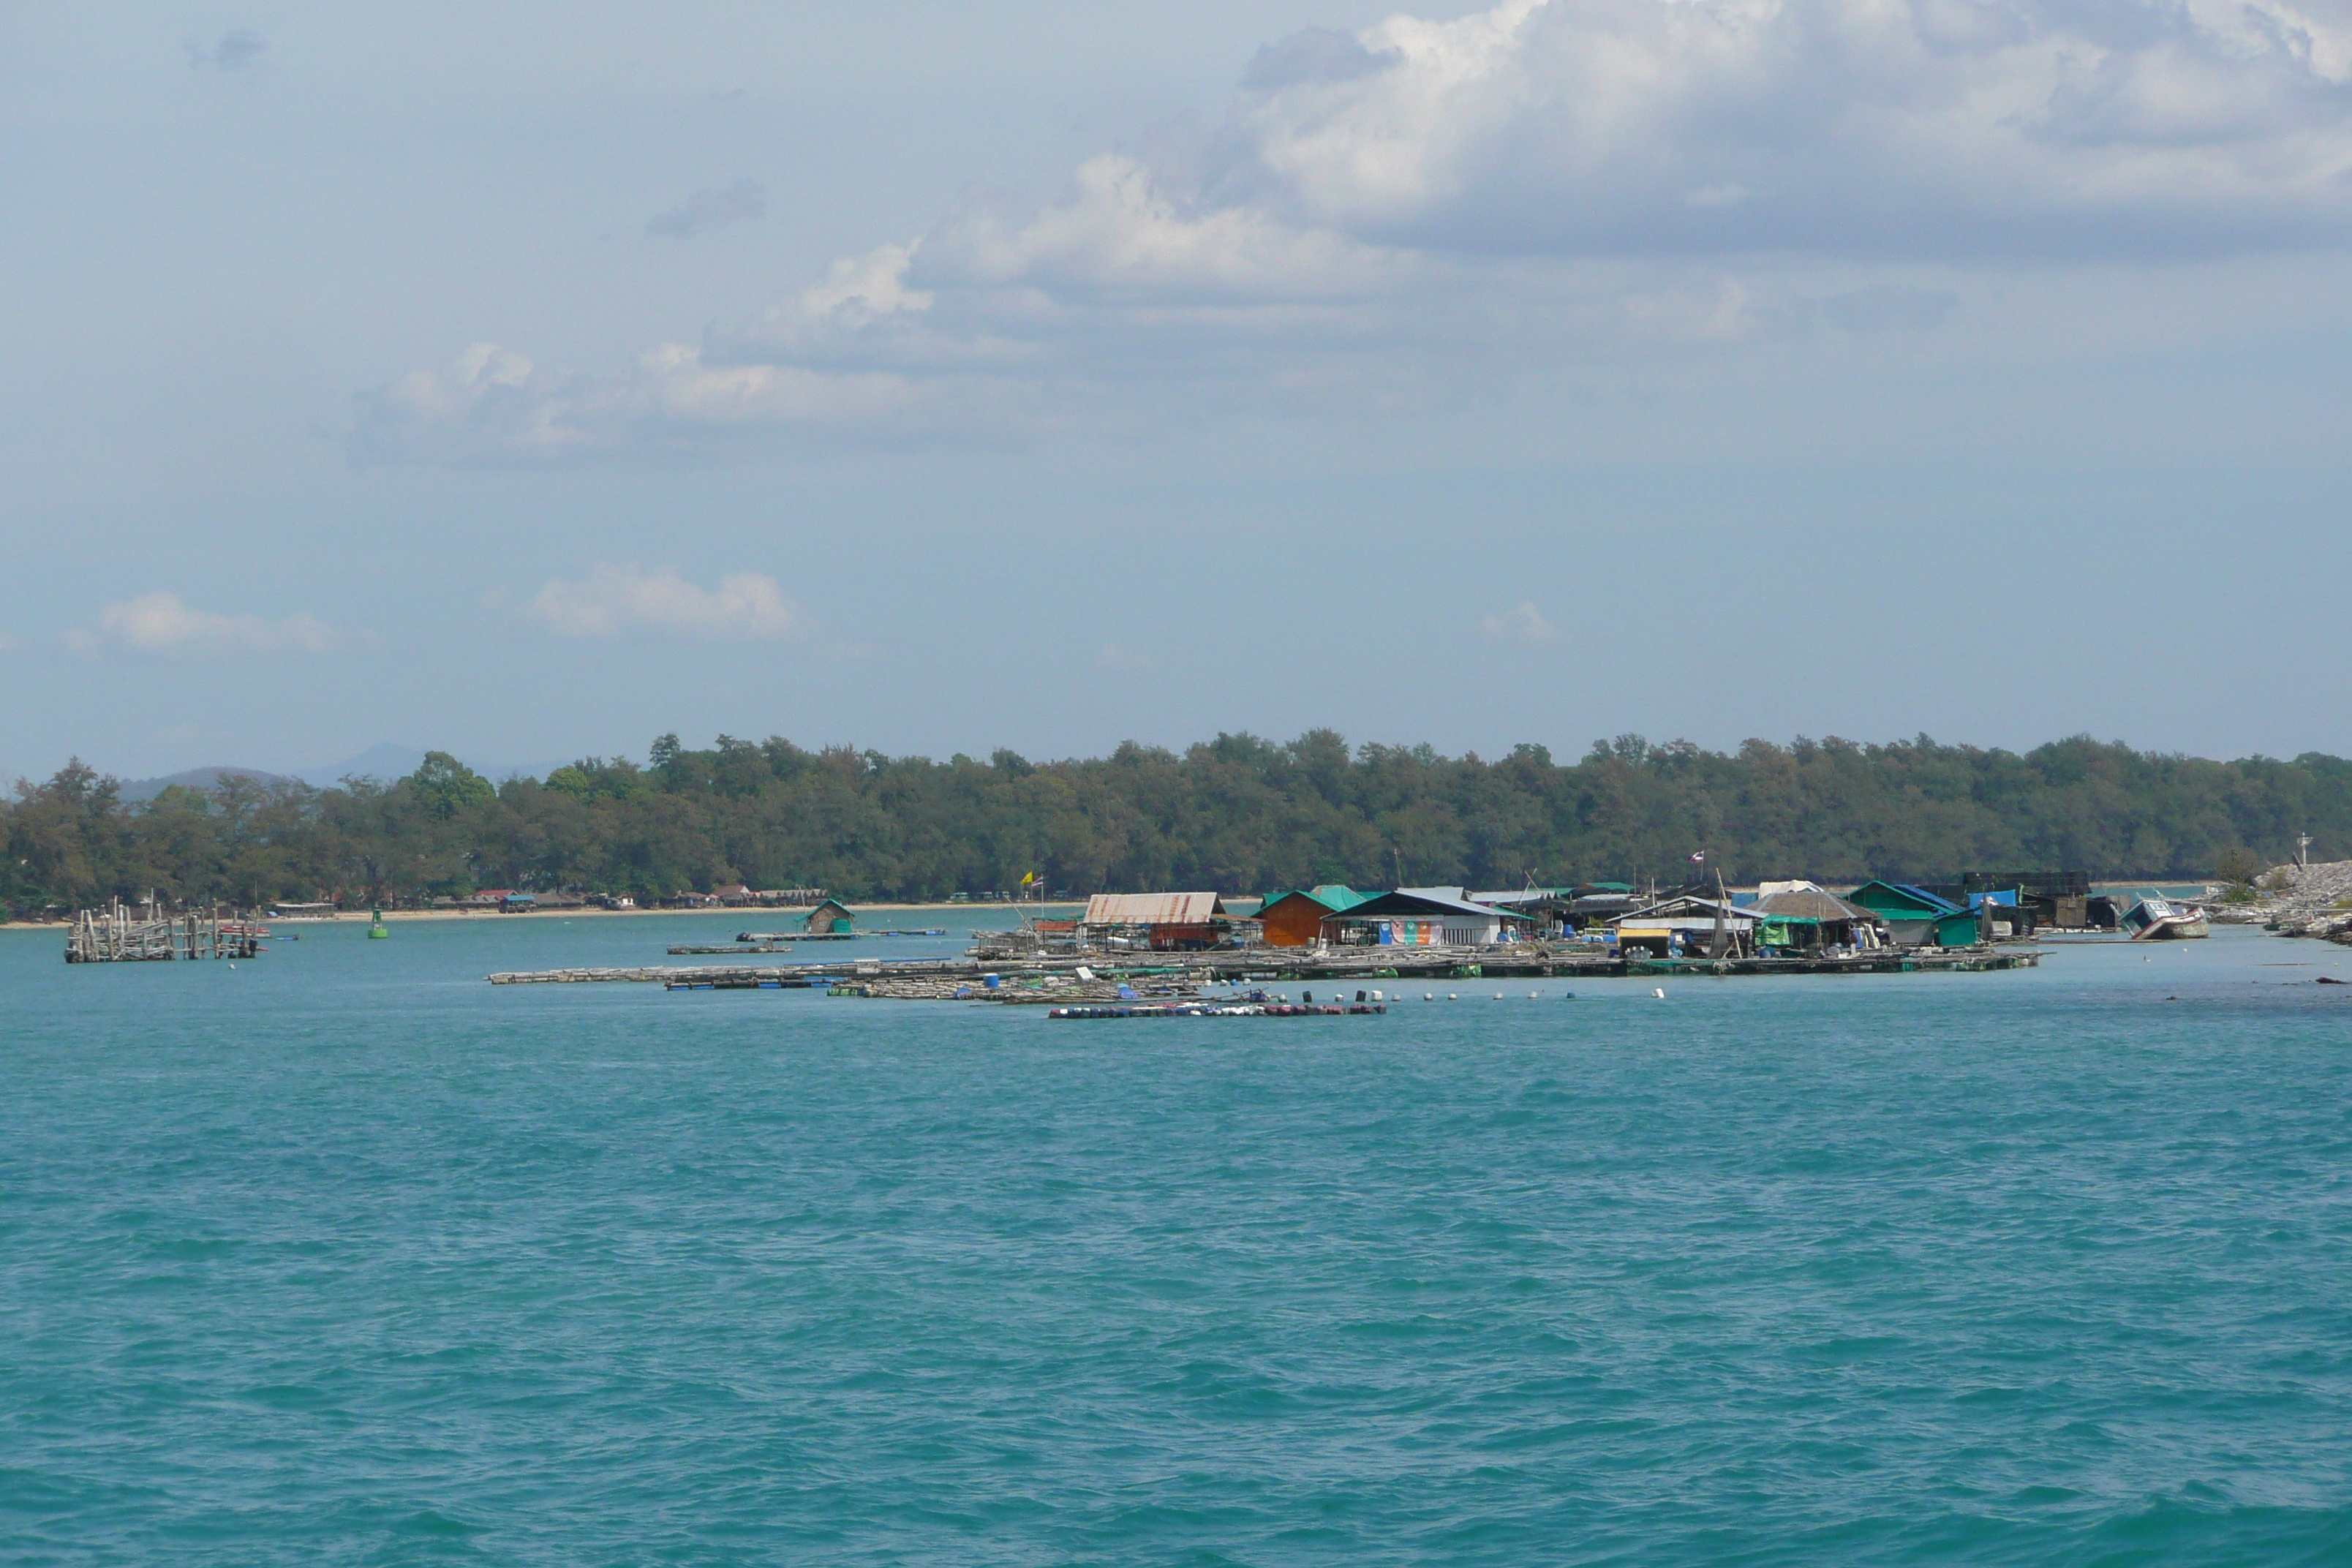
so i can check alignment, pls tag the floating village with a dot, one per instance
(1173, 948)
(1177, 954)
(1187, 953)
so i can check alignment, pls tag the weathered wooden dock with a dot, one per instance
(116, 935)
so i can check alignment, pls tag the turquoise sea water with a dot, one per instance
(345, 1257)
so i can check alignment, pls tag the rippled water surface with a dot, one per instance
(344, 1256)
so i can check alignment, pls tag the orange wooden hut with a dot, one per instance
(1295, 920)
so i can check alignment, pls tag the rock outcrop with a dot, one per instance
(2296, 901)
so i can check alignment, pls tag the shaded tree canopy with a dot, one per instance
(1238, 814)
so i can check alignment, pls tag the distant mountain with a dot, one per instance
(382, 761)
(136, 790)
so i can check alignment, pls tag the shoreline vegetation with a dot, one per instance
(1239, 814)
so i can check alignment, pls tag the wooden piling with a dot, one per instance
(114, 935)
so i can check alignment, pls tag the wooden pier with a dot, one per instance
(943, 977)
(117, 934)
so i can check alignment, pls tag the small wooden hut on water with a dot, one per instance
(830, 917)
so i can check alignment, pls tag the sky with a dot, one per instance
(529, 381)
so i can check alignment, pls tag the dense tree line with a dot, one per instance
(1238, 813)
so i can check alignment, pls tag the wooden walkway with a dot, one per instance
(1523, 960)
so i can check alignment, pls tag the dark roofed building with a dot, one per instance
(1424, 917)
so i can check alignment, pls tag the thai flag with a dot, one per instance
(1698, 855)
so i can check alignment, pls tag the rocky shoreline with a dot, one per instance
(2296, 901)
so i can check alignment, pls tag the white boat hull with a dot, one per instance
(2173, 927)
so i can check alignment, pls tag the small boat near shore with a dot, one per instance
(2164, 920)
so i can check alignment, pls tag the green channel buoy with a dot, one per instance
(376, 931)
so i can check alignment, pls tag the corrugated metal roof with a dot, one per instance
(1811, 903)
(1330, 895)
(1152, 909)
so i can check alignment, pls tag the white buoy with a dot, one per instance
(1531, 996)
(1429, 995)
(1498, 996)
(1659, 992)
(1453, 996)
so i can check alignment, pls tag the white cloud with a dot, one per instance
(1521, 627)
(160, 623)
(1926, 127)
(1121, 230)
(865, 288)
(1544, 184)
(611, 600)
(494, 407)
(489, 398)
